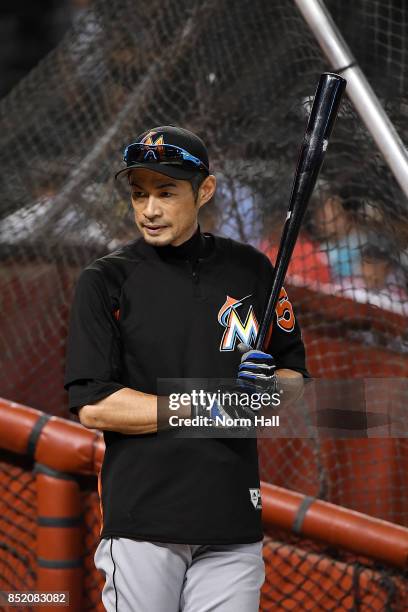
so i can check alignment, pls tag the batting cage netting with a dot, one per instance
(241, 75)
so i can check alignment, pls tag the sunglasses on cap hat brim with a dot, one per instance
(164, 158)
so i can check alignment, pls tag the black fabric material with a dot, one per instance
(191, 250)
(193, 491)
(83, 392)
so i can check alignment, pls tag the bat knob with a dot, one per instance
(243, 348)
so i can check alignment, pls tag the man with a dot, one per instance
(181, 520)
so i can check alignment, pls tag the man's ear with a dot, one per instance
(206, 190)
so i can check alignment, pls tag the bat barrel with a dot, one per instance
(320, 125)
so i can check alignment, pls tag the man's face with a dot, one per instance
(164, 208)
(332, 220)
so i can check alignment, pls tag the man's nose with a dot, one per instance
(152, 208)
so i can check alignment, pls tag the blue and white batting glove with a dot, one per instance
(232, 411)
(257, 370)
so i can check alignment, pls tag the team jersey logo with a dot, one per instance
(285, 317)
(235, 328)
(255, 495)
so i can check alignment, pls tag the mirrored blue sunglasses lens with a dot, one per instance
(163, 154)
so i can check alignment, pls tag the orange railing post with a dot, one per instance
(59, 542)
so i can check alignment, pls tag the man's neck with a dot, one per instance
(189, 249)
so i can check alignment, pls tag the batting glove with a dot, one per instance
(257, 370)
(231, 409)
(236, 412)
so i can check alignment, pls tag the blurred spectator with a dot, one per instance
(340, 243)
(340, 237)
(375, 268)
(359, 256)
(308, 263)
(380, 272)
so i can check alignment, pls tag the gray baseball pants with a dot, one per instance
(161, 577)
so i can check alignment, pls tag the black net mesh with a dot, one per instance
(241, 74)
(17, 525)
(303, 575)
(18, 532)
(93, 580)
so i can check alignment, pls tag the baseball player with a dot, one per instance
(181, 518)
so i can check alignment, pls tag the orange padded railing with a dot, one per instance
(62, 452)
(337, 526)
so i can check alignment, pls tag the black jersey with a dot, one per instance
(142, 313)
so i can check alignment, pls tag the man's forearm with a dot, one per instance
(126, 411)
(129, 411)
(286, 373)
(290, 384)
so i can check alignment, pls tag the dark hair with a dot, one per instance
(196, 182)
(372, 252)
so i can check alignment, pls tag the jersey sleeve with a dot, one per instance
(93, 355)
(285, 343)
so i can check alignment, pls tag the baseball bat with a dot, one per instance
(319, 127)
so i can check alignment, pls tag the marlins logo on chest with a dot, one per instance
(236, 330)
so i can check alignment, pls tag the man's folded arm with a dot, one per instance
(110, 406)
(93, 364)
(124, 410)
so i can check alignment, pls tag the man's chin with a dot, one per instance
(162, 239)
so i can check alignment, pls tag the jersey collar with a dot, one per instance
(199, 246)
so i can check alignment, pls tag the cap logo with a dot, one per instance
(148, 139)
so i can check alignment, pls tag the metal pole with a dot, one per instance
(358, 88)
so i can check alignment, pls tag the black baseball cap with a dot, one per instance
(176, 136)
